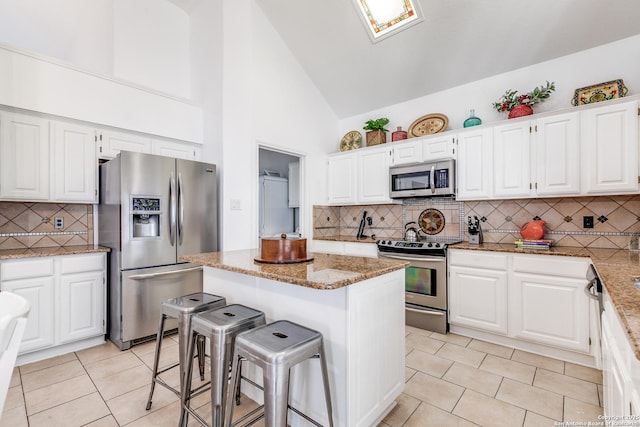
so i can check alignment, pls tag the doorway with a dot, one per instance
(280, 201)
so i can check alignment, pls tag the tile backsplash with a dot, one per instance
(616, 219)
(31, 225)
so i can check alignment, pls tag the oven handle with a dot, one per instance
(433, 179)
(426, 311)
(406, 258)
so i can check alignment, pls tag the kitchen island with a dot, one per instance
(356, 303)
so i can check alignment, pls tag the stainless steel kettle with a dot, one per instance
(410, 233)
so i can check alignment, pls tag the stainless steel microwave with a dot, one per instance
(427, 179)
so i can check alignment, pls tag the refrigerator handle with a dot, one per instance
(180, 209)
(172, 210)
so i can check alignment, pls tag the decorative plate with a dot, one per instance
(351, 141)
(431, 221)
(429, 124)
(600, 92)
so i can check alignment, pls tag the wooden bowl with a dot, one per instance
(283, 250)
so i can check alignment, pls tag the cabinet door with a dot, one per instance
(39, 291)
(478, 298)
(24, 157)
(110, 143)
(613, 374)
(341, 181)
(407, 152)
(557, 155)
(81, 310)
(373, 176)
(474, 165)
(178, 150)
(512, 160)
(550, 310)
(76, 166)
(437, 148)
(610, 149)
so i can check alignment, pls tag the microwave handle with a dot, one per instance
(432, 179)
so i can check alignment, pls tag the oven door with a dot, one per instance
(425, 292)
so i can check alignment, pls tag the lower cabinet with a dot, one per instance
(67, 297)
(537, 299)
(620, 370)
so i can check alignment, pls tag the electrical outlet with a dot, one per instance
(587, 222)
(58, 222)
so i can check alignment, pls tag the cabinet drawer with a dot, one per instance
(478, 259)
(551, 265)
(25, 269)
(80, 263)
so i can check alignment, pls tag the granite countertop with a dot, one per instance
(324, 272)
(615, 267)
(342, 238)
(51, 251)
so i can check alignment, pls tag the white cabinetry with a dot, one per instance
(67, 296)
(610, 149)
(110, 143)
(24, 157)
(373, 176)
(520, 299)
(478, 290)
(474, 167)
(179, 150)
(75, 170)
(407, 152)
(46, 160)
(547, 301)
(360, 176)
(512, 158)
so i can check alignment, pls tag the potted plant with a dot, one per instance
(520, 105)
(376, 131)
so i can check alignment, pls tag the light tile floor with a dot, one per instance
(450, 381)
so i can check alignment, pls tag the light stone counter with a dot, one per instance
(51, 251)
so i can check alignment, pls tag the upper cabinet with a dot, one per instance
(474, 165)
(46, 160)
(359, 177)
(110, 143)
(610, 149)
(24, 157)
(179, 150)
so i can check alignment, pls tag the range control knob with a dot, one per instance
(430, 244)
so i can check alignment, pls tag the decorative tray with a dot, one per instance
(427, 125)
(599, 92)
(351, 140)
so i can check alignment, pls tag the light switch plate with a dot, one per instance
(236, 204)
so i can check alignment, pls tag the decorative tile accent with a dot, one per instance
(536, 218)
(29, 225)
(567, 219)
(603, 219)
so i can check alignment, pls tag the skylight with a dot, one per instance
(383, 18)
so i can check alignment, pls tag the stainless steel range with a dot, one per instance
(425, 281)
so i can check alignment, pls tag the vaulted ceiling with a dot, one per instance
(459, 41)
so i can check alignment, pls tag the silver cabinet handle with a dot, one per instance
(164, 273)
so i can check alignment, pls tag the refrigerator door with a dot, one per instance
(142, 294)
(148, 195)
(197, 207)
(275, 215)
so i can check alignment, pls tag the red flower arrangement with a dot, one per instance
(511, 98)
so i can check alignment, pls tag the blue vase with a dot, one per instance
(472, 120)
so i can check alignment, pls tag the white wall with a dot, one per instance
(151, 45)
(268, 100)
(79, 32)
(620, 59)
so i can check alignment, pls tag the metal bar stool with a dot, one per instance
(181, 308)
(221, 327)
(276, 348)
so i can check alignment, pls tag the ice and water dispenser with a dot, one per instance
(145, 213)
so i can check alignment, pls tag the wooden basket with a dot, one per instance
(376, 137)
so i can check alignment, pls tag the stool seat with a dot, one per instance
(276, 348)
(181, 308)
(221, 326)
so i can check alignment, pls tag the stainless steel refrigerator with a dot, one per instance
(152, 210)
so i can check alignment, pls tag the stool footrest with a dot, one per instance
(249, 415)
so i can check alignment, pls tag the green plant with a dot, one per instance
(511, 98)
(378, 124)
